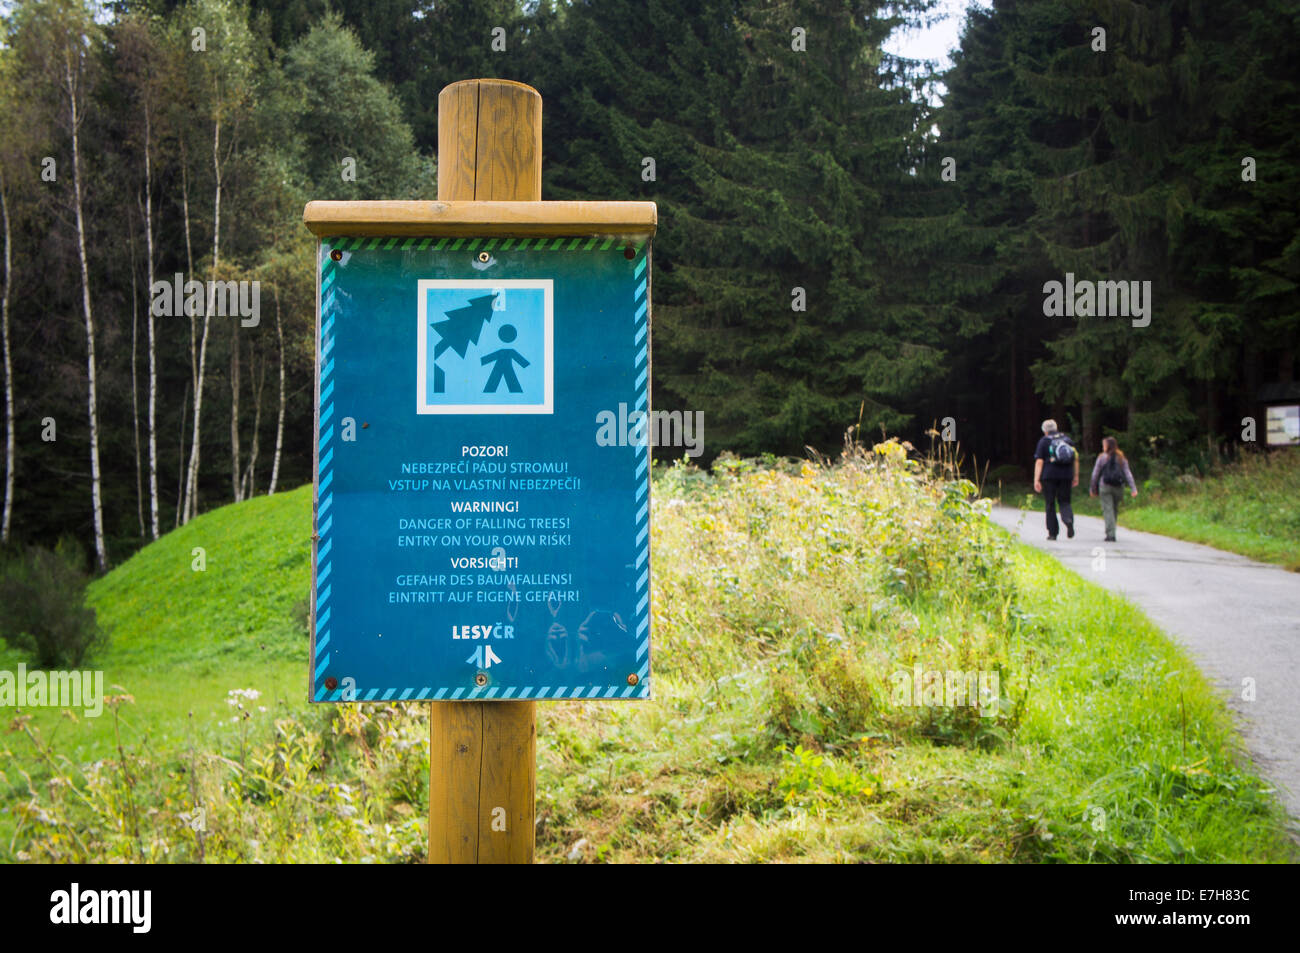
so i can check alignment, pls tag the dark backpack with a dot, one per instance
(1059, 450)
(1112, 471)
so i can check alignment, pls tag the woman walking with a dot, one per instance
(1109, 474)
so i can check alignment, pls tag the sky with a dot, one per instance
(935, 41)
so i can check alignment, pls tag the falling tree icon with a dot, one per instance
(458, 331)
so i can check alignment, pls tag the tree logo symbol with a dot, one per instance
(485, 346)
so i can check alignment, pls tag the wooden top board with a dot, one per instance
(480, 219)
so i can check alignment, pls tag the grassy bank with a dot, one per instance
(786, 602)
(1250, 507)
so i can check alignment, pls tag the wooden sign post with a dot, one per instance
(583, 282)
(483, 755)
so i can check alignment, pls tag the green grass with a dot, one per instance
(1250, 507)
(784, 599)
(762, 669)
(180, 639)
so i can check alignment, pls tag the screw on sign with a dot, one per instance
(485, 331)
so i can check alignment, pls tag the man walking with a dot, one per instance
(1056, 470)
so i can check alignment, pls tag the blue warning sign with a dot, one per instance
(478, 535)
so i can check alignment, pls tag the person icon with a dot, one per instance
(503, 361)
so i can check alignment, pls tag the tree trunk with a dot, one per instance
(1017, 424)
(236, 482)
(1212, 418)
(101, 553)
(1247, 404)
(249, 486)
(9, 371)
(153, 352)
(1090, 437)
(192, 474)
(184, 516)
(279, 425)
(135, 390)
(180, 458)
(209, 306)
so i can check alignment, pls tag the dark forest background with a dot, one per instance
(141, 140)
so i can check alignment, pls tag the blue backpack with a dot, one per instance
(1059, 450)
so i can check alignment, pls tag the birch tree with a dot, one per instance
(76, 56)
(225, 65)
(9, 108)
(135, 384)
(8, 360)
(144, 64)
(58, 42)
(279, 420)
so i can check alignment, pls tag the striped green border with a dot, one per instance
(565, 243)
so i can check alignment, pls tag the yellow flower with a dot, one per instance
(890, 449)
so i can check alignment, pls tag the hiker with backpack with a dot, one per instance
(1109, 474)
(1056, 470)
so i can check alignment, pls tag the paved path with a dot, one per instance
(1238, 619)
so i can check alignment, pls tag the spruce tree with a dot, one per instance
(784, 146)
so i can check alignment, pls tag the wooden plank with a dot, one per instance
(455, 756)
(481, 810)
(457, 140)
(509, 142)
(463, 219)
(508, 783)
